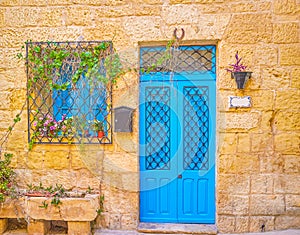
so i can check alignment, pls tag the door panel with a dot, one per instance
(157, 149)
(196, 152)
(177, 143)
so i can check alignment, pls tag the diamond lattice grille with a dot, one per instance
(189, 60)
(157, 128)
(61, 110)
(196, 128)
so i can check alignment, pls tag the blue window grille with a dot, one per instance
(61, 110)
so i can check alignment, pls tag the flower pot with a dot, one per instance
(100, 134)
(241, 78)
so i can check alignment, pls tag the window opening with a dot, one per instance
(181, 59)
(69, 92)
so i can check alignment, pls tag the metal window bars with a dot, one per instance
(187, 59)
(69, 93)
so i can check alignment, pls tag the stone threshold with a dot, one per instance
(168, 228)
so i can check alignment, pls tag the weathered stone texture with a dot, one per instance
(287, 121)
(242, 224)
(136, 31)
(9, 3)
(266, 55)
(2, 21)
(180, 1)
(227, 53)
(258, 148)
(118, 11)
(287, 143)
(226, 224)
(262, 184)
(244, 121)
(129, 221)
(238, 164)
(286, 7)
(292, 164)
(242, 7)
(249, 28)
(70, 209)
(56, 160)
(267, 204)
(184, 14)
(227, 143)
(295, 81)
(286, 184)
(292, 204)
(271, 162)
(256, 223)
(286, 33)
(289, 54)
(32, 17)
(214, 8)
(240, 205)
(243, 143)
(264, 5)
(38, 227)
(275, 78)
(3, 225)
(78, 228)
(260, 142)
(287, 99)
(79, 16)
(285, 222)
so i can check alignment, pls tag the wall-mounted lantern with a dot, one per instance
(123, 119)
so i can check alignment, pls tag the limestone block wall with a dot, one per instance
(258, 148)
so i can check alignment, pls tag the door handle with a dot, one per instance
(179, 176)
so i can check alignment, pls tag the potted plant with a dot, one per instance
(239, 73)
(67, 126)
(47, 126)
(98, 127)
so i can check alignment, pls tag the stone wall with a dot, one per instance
(258, 148)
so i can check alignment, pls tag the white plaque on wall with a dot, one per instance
(239, 102)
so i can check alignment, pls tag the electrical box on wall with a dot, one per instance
(123, 119)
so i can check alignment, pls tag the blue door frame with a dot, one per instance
(177, 147)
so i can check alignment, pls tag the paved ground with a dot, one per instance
(285, 232)
(118, 232)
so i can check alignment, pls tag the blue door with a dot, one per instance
(177, 140)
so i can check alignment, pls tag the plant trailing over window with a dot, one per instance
(160, 63)
(69, 84)
(48, 63)
(45, 61)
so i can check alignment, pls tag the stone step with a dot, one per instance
(166, 228)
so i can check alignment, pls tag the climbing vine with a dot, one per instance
(46, 63)
(101, 63)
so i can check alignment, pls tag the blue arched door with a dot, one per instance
(177, 140)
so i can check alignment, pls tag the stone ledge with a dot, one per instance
(70, 209)
(177, 228)
(78, 212)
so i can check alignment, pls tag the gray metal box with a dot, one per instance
(123, 119)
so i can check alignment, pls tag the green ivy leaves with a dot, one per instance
(46, 63)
